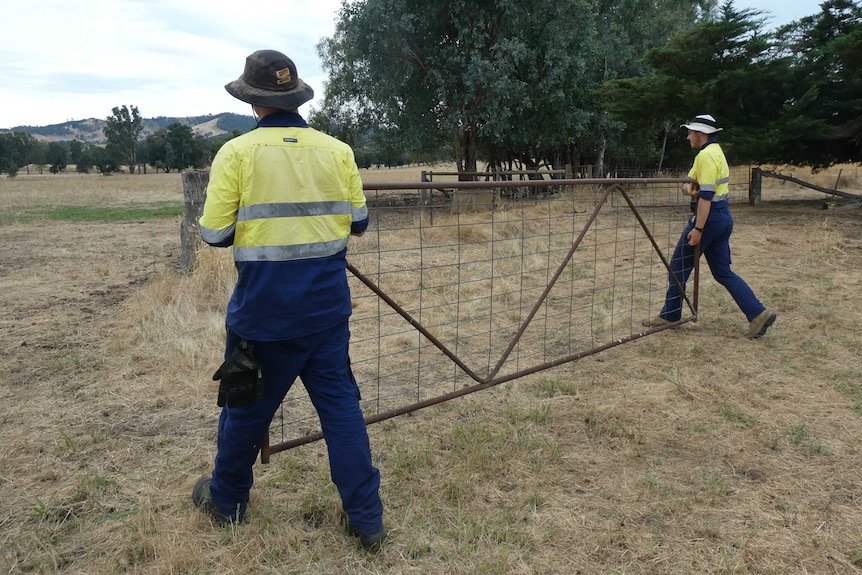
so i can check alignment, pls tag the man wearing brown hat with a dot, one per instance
(710, 226)
(287, 198)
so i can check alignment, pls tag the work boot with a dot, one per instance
(203, 501)
(656, 321)
(758, 326)
(369, 541)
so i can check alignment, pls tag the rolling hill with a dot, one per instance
(91, 129)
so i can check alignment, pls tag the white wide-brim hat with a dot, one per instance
(703, 123)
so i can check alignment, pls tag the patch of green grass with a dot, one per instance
(94, 213)
(854, 393)
(579, 270)
(821, 310)
(673, 377)
(93, 486)
(406, 461)
(780, 295)
(699, 350)
(534, 414)
(68, 442)
(610, 426)
(735, 414)
(552, 387)
(291, 472)
(846, 382)
(712, 483)
(787, 509)
(656, 485)
(816, 349)
(801, 437)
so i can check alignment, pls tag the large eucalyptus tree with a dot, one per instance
(501, 79)
(122, 129)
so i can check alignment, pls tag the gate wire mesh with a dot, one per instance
(460, 286)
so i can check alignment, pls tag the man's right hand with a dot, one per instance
(691, 189)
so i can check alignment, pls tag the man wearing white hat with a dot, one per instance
(710, 226)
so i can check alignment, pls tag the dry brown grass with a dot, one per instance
(70, 189)
(844, 177)
(403, 173)
(692, 451)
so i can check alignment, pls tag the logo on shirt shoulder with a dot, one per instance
(290, 140)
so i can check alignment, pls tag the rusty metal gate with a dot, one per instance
(461, 286)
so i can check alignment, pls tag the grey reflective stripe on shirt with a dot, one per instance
(360, 213)
(287, 253)
(712, 187)
(291, 210)
(212, 236)
(722, 198)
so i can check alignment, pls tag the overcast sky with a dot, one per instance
(62, 60)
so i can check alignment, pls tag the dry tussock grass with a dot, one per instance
(691, 451)
(403, 173)
(89, 189)
(844, 177)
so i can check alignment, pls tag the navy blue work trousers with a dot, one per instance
(321, 360)
(715, 246)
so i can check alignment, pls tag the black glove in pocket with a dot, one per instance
(240, 378)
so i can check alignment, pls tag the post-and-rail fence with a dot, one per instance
(453, 296)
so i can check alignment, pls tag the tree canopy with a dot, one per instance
(505, 79)
(16, 151)
(789, 97)
(123, 128)
(177, 148)
(539, 81)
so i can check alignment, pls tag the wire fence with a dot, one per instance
(486, 282)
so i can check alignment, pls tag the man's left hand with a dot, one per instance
(694, 237)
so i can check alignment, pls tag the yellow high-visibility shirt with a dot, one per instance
(712, 173)
(287, 197)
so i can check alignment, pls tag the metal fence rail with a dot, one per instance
(457, 293)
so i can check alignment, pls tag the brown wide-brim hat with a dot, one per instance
(270, 81)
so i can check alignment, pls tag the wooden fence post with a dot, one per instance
(424, 195)
(194, 194)
(754, 187)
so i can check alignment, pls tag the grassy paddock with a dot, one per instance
(93, 213)
(691, 451)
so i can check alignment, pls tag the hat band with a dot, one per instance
(278, 86)
(705, 121)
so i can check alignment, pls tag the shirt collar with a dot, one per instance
(711, 140)
(282, 120)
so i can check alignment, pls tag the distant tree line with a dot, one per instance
(542, 82)
(19, 150)
(175, 147)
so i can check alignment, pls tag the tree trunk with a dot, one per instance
(663, 147)
(465, 151)
(600, 160)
